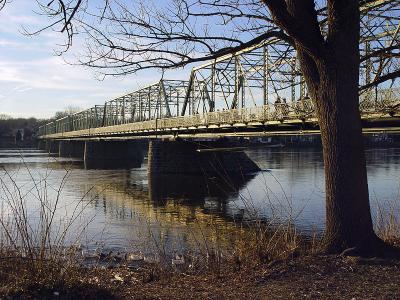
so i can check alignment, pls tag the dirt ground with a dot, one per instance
(314, 277)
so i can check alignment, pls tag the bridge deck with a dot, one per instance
(279, 118)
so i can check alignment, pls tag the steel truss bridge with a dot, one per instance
(259, 90)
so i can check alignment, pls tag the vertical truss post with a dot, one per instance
(242, 86)
(368, 65)
(114, 112)
(132, 105)
(236, 95)
(104, 122)
(123, 110)
(213, 79)
(192, 95)
(293, 79)
(265, 75)
(192, 99)
(69, 124)
(188, 93)
(159, 102)
(92, 117)
(140, 107)
(149, 102)
(169, 96)
(166, 98)
(206, 95)
(96, 116)
(177, 103)
(133, 112)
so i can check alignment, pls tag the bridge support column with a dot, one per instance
(52, 146)
(182, 157)
(113, 154)
(71, 149)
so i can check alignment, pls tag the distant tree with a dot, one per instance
(9, 125)
(4, 117)
(69, 110)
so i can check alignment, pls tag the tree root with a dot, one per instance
(374, 247)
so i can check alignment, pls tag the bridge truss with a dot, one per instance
(258, 84)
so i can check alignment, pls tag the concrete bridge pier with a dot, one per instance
(113, 154)
(52, 146)
(184, 157)
(71, 149)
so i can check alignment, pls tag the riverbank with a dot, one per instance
(312, 276)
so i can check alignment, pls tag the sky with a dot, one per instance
(35, 82)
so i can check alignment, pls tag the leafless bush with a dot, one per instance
(387, 222)
(33, 230)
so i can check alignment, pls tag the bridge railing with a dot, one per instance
(385, 102)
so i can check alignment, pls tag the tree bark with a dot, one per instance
(332, 78)
(348, 216)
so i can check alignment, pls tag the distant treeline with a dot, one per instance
(27, 126)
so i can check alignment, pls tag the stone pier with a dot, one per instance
(71, 149)
(113, 154)
(188, 157)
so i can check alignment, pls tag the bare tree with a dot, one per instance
(69, 110)
(128, 36)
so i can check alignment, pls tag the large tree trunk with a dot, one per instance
(332, 78)
(348, 216)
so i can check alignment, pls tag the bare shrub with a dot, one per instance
(39, 233)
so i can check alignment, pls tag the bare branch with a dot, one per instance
(299, 20)
(389, 76)
(3, 3)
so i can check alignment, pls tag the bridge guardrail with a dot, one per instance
(386, 103)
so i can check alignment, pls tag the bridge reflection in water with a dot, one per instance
(175, 210)
(129, 206)
(194, 190)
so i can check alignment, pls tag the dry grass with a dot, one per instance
(37, 243)
(49, 279)
(387, 223)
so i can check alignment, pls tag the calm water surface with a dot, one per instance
(127, 209)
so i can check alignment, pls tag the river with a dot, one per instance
(126, 210)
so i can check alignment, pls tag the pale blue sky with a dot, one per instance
(35, 82)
